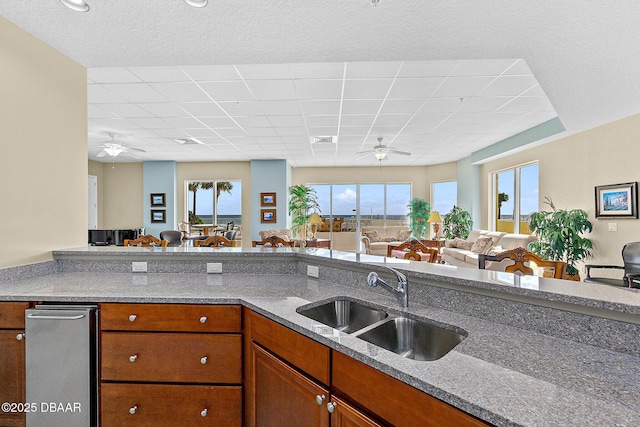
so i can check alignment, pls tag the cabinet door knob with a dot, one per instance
(133, 409)
(133, 358)
(320, 399)
(203, 360)
(132, 317)
(331, 406)
(203, 319)
(203, 413)
(20, 337)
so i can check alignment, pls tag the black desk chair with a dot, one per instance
(631, 267)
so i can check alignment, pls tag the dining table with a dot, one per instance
(207, 229)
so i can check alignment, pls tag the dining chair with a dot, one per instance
(174, 237)
(273, 241)
(522, 260)
(146, 241)
(414, 250)
(631, 268)
(215, 241)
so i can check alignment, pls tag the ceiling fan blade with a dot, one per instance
(101, 154)
(136, 149)
(404, 153)
(366, 152)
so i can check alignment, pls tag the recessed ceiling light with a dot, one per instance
(197, 3)
(77, 5)
(188, 141)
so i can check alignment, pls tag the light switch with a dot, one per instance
(613, 226)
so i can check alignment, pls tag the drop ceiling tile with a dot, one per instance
(181, 92)
(258, 132)
(428, 120)
(367, 89)
(392, 119)
(358, 106)
(98, 94)
(484, 104)
(481, 67)
(115, 124)
(302, 132)
(360, 70)
(358, 120)
(509, 86)
(136, 92)
(323, 130)
(281, 108)
(184, 122)
(319, 89)
(160, 74)
(151, 123)
(415, 88)
(321, 107)
(227, 91)
(385, 130)
(219, 122)
(112, 75)
(441, 105)
(317, 71)
(520, 67)
(264, 71)
(201, 109)
(272, 89)
(427, 68)
(163, 109)
(200, 133)
(229, 132)
(357, 131)
(126, 110)
(95, 112)
(316, 121)
(253, 121)
(457, 87)
(212, 73)
(244, 108)
(527, 104)
(286, 121)
(392, 106)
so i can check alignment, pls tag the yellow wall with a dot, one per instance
(569, 170)
(43, 166)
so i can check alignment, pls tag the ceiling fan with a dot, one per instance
(380, 151)
(114, 148)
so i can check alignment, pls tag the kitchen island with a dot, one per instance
(513, 368)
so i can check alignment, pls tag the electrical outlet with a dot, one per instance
(214, 267)
(313, 271)
(139, 267)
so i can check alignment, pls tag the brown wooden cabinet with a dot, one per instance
(170, 364)
(12, 360)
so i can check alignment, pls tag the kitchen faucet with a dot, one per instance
(401, 292)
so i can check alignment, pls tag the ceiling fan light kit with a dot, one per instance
(197, 3)
(77, 5)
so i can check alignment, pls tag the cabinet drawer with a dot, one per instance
(170, 405)
(170, 317)
(12, 314)
(304, 353)
(383, 395)
(171, 357)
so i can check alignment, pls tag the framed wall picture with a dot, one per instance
(158, 216)
(267, 215)
(158, 199)
(617, 200)
(267, 199)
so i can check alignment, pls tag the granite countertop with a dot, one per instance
(504, 375)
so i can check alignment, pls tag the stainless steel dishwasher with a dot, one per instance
(61, 366)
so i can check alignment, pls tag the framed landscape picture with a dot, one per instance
(158, 199)
(617, 200)
(158, 216)
(267, 199)
(267, 215)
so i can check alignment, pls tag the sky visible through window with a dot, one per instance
(372, 202)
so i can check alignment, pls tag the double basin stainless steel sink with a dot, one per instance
(410, 338)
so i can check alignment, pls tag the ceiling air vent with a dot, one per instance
(188, 141)
(324, 139)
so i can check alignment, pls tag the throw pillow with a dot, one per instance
(482, 244)
(372, 235)
(462, 244)
(389, 239)
(404, 235)
(495, 250)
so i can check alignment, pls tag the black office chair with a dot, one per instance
(631, 267)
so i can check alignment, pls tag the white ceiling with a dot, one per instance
(440, 79)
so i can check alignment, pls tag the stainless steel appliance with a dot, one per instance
(114, 237)
(61, 361)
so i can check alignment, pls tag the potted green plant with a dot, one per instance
(559, 236)
(303, 200)
(457, 223)
(419, 210)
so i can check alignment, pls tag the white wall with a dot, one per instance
(43, 166)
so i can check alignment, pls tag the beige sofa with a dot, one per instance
(467, 255)
(376, 239)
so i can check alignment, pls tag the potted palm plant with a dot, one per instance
(419, 210)
(559, 236)
(457, 223)
(303, 200)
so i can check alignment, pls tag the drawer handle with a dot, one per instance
(20, 337)
(203, 360)
(203, 413)
(132, 317)
(203, 319)
(320, 399)
(331, 406)
(133, 409)
(133, 358)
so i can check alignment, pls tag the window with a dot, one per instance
(214, 202)
(444, 196)
(515, 198)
